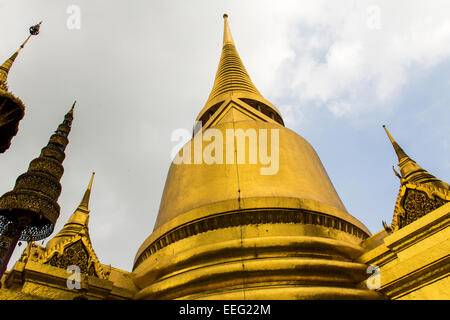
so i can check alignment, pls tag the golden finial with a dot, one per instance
(398, 150)
(6, 66)
(34, 30)
(227, 39)
(85, 201)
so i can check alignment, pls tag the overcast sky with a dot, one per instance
(142, 69)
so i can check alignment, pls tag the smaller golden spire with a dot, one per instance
(78, 221)
(6, 66)
(398, 150)
(85, 201)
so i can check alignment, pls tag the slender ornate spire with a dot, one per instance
(232, 79)
(78, 221)
(12, 109)
(34, 197)
(72, 245)
(6, 66)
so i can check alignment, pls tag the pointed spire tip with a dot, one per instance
(73, 106)
(388, 134)
(85, 201)
(398, 150)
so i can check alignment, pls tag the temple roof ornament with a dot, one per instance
(420, 192)
(72, 245)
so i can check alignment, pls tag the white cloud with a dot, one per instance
(351, 57)
(291, 114)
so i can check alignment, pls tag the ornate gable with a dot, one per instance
(414, 201)
(420, 192)
(76, 251)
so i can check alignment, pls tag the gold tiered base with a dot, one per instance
(257, 261)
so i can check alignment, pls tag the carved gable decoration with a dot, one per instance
(414, 201)
(77, 251)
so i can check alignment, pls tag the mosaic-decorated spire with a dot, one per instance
(32, 203)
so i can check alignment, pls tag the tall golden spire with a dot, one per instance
(12, 109)
(411, 171)
(232, 79)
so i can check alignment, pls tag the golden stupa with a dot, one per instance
(227, 231)
(248, 212)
